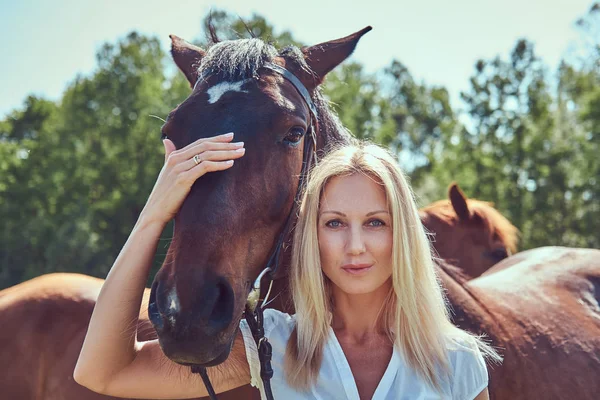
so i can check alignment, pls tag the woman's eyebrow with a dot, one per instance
(333, 212)
(377, 212)
(343, 215)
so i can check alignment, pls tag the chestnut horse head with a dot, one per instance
(232, 220)
(470, 234)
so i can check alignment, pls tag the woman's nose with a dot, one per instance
(356, 243)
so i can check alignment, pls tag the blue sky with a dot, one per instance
(44, 44)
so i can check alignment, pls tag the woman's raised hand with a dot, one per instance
(181, 169)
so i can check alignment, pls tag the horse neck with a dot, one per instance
(468, 312)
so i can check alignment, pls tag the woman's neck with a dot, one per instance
(357, 316)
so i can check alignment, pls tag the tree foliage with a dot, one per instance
(75, 174)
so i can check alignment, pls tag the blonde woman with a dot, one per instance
(371, 320)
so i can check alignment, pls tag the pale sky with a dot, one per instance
(44, 44)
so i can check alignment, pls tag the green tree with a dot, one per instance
(89, 165)
(421, 119)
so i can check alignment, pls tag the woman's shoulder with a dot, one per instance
(461, 343)
(468, 367)
(464, 351)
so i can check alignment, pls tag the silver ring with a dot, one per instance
(196, 159)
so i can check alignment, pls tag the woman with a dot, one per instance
(370, 322)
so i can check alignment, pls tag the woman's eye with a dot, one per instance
(376, 223)
(333, 224)
(294, 136)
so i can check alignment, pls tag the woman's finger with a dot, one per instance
(169, 148)
(203, 168)
(208, 146)
(179, 159)
(212, 156)
(226, 137)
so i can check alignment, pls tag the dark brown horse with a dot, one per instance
(228, 225)
(457, 224)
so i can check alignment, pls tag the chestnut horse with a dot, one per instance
(541, 308)
(458, 223)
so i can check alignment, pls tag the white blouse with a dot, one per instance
(335, 380)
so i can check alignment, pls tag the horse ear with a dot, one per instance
(187, 57)
(459, 202)
(324, 57)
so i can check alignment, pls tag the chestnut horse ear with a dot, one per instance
(187, 57)
(324, 57)
(459, 202)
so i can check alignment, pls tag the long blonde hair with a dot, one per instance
(415, 314)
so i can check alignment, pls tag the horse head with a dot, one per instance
(231, 220)
(469, 233)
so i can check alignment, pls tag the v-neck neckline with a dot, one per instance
(348, 380)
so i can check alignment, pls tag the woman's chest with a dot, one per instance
(368, 366)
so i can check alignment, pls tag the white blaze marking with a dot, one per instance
(215, 92)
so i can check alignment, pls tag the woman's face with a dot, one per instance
(355, 234)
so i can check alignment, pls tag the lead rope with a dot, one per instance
(253, 312)
(202, 371)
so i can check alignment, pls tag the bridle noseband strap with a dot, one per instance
(254, 311)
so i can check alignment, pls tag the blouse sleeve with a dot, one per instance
(270, 321)
(470, 373)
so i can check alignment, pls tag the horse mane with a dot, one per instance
(453, 271)
(495, 223)
(240, 59)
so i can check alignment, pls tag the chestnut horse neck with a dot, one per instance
(468, 311)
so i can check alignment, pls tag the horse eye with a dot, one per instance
(498, 254)
(294, 136)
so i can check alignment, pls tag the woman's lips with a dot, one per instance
(357, 269)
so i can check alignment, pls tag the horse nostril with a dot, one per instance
(153, 309)
(222, 312)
